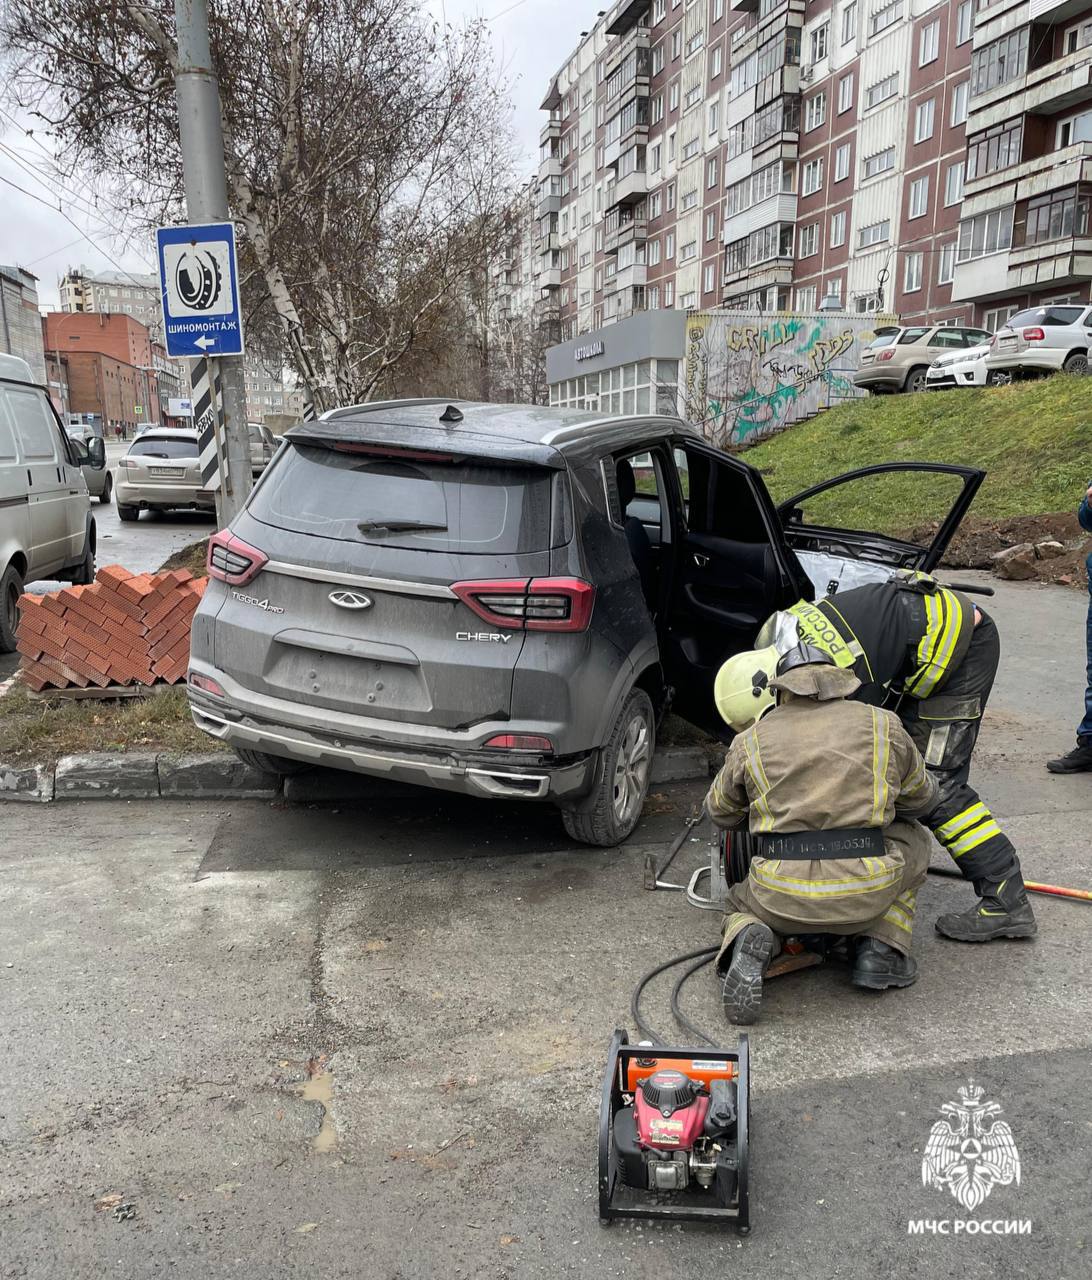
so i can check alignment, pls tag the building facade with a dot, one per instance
(111, 365)
(20, 323)
(921, 157)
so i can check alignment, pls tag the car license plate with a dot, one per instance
(172, 472)
(1008, 341)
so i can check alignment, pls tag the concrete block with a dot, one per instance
(215, 776)
(107, 776)
(28, 782)
(1015, 563)
(674, 763)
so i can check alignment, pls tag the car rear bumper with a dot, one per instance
(163, 495)
(879, 379)
(510, 775)
(1044, 360)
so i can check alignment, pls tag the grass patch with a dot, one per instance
(41, 731)
(1031, 438)
(191, 557)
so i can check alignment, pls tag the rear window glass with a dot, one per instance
(467, 506)
(911, 335)
(884, 339)
(163, 447)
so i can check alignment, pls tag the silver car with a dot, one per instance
(99, 481)
(160, 472)
(1042, 340)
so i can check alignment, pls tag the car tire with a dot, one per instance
(127, 514)
(107, 490)
(614, 806)
(915, 380)
(1076, 362)
(998, 378)
(280, 766)
(84, 574)
(11, 588)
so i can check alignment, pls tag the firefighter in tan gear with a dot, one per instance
(931, 648)
(828, 786)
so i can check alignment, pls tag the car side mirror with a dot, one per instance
(95, 452)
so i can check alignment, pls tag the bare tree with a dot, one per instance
(368, 153)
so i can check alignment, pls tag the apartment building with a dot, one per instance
(111, 365)
(20, 323)
(924, 157)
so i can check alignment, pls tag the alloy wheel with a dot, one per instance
(631, 769)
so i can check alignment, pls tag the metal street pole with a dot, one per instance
(207, 201)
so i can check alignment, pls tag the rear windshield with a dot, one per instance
(911, 335)
(468, 505)
(164, 447)
(884, 339)
(1045, 316)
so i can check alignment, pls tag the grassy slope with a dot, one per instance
(1034, 439)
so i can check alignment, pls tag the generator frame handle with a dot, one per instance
(618, 1056)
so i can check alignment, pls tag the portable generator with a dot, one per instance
(673, 1133)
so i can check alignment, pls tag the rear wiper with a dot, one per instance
(399, 526)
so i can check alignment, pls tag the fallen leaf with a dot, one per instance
(307, 1226)
(108, 1202)
(507, 1240)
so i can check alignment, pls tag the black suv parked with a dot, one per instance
(503, 599)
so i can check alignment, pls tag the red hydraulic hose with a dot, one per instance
(1032, 886)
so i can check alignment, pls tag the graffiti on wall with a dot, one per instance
(748, 375)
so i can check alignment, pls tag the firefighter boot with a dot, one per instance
(742, 991)
(879, 966)
(1002, 911)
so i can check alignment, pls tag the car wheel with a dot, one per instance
(107, 490)
(1076, 363)
(85, 574)
(998, 378)
(11, 588)
(915, 380)
(614, 807)
(281, 766)
(127, 514)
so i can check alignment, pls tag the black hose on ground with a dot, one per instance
(706, 953)
(681, 1017)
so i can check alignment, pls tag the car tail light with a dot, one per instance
(1034, 335)
(889, 354)
(232, 560)
(543, 604)
(206, 684)
(519, 742)
(127, 462)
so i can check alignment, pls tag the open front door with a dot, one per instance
(909, 510)
(732, 570)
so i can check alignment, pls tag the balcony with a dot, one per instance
(628, 190)
(638, 38)
(549, 203)
(1046, 91)
(620, 232)
(631, 276)
(1055, 11)
(743, 6)
(549, 278)
(625, 16)
(762, 274)
(1035, 177)
(780, 207)
(549, 242)
(549, 168)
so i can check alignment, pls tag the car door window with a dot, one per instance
(948, 338)
(33, 424)
(909, 336)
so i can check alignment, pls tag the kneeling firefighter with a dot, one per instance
(930, 647)
(820, 780)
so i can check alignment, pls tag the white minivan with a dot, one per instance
(46, 526)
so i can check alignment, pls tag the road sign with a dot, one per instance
(199, 287)
(179, 407)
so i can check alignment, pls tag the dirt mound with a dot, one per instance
(979, 539)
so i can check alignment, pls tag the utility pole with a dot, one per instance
(205, 175)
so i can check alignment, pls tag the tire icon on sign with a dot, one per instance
(197, 279)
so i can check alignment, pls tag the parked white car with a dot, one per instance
(959, 369)
(99, 481)
(1042, 340)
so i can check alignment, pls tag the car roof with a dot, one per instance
(15, 369)
(540, 434)
(159, 433)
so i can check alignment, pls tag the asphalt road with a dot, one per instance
(453, 972)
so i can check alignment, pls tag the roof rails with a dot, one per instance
(345, 410)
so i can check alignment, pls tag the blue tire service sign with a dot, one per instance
(199, 286)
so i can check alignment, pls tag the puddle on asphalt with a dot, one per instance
(320, 1088)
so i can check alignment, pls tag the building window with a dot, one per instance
(820, 42)
(693, 96)
(912, 272)
(886, 17)
(841, 162)
(689, 200)
(994, 149)
(688, 251)
(960, 94)
(695, 42)
(812, 177)
(1056, 216)
(657, 59)
(881, 162)
(882, 90)
(919, 197)
(670, 196)
(688, 301)
(809, 240)
(669, 245)
(995, 318)
(874, 233)
(676, 43)
(654, 157)
(657, 108)
(673, 97)
(669, 293)
(709, 277)
(654, 202)
(929, 43)
(845, 92)
(924, 114)
(987, 233)
(953, 184)
(1078, 37)
(718, 62)
(711, 224)
(834, 288)
(711, 171)
(964, 21)
(815, 110)
(659, 11)
(718, 10)
(838, 229)
(1000, 61)
(714, 112)
(690, 149)
(653, 253)
(849, 23)
(805, 299)
(946, 267)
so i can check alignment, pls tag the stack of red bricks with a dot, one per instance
(122, 629)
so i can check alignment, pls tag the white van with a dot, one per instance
(46, 526)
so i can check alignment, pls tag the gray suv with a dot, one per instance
(503, 600)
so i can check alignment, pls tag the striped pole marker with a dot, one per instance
(205, 381)
(309, 414)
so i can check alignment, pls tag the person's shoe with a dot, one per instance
(1002, 911)
(879, 966)
(742, 990)
(1079, 760)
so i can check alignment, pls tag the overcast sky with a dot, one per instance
(532, 38)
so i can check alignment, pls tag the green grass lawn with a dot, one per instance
(1034, 439)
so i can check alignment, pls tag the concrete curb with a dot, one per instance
(107, 775)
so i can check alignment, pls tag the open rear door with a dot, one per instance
(915, 508)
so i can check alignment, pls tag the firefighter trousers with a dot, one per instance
(945, 729)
